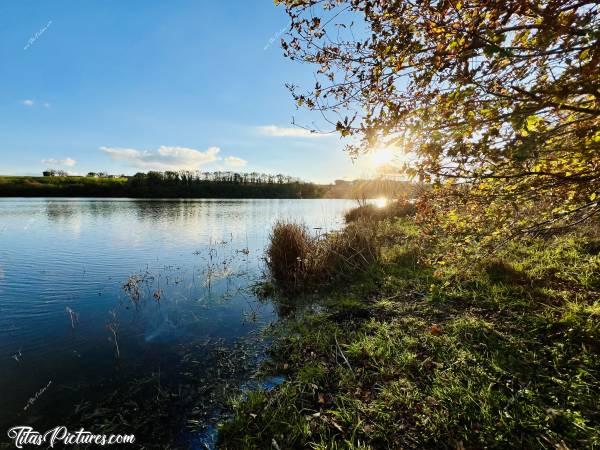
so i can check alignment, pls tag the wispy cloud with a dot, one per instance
(28, 102)
(234, 161)
(164, 158)
(275, 131)
(69, 162)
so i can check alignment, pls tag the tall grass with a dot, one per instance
(289, 252)
(298, 259)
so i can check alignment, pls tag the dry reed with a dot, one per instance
(297, 259)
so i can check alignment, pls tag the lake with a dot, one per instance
(126, 316)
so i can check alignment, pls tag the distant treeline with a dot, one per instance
(188, 184)
(182, 184)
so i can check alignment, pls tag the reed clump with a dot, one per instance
(298, 259)
(289, 253)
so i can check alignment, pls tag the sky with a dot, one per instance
(132, 86)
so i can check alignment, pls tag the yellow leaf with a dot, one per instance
(584, 54)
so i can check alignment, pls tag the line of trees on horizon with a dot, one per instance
(191, 176)
(157, 184)
(188, 184)
(225, 183)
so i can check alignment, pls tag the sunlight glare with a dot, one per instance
(381, 157)
(381, 202)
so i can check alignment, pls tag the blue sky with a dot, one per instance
(138, 85)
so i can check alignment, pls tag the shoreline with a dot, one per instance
(410, 355)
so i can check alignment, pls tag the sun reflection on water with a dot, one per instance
(380, 202)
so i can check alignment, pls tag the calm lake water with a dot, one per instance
(134, 315)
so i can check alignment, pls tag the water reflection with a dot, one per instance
(61, 210)
(136, 307)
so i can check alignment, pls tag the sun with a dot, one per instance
(381, 157)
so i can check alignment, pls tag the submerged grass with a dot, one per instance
(500, 354)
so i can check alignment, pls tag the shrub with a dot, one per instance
(361, 212)
(346, 252)
(371, 212)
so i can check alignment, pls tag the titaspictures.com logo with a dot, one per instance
(23, 435)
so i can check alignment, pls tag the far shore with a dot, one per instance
(184, 185)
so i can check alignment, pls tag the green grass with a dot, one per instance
(499, 354)
(59, 180)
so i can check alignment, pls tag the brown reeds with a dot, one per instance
(291, 245)
(297, 259)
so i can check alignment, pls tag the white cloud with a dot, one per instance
(234, 161)
(164, 158)
(275, 131)
(69, 162)
(28, 102)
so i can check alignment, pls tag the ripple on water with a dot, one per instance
(190, 310)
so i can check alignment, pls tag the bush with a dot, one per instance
(346, 252)
(372, 212)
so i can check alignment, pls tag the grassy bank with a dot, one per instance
(502, 353)
(17, 186)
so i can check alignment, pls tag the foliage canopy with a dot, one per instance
(498, 101)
